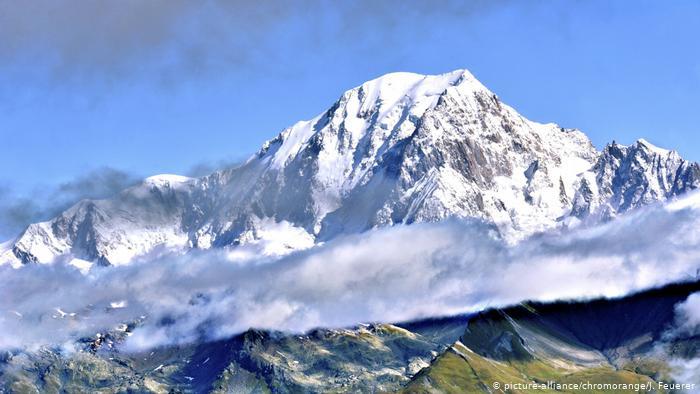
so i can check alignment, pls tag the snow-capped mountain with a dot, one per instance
(402, 148)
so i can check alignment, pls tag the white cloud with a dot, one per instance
(686, 371)
(392, 274)
(688, 315)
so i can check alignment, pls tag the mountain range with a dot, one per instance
(621, 341)
(399, 149)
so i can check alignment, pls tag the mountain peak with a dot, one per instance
(390, 102)
(166, 180)
(642, 143)
(640, 146)
(402, 80)
(390, 88)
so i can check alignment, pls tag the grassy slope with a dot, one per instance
(459, 370)
(603, 341)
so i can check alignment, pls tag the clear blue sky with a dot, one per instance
(161, 87)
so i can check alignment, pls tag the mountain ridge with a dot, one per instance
(398, 149)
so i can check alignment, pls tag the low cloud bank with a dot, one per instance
(393, 274)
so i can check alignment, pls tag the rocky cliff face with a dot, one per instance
(627, 177)
(399, 149)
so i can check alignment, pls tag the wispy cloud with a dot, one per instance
(16, 211)
(393, 274)
(688, 316)
(102, 41)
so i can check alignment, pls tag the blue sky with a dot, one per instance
(160, 87)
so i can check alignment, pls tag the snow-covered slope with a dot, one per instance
(402, 148)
